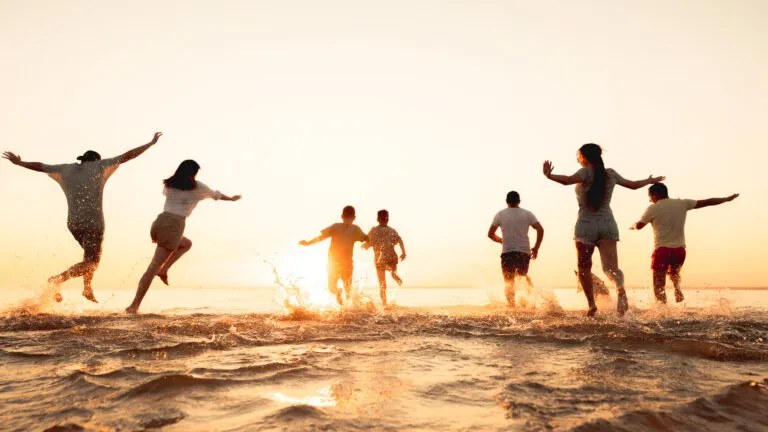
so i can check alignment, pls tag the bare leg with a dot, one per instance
(584, 257)
(674, 275)
(509, 291)
(609, 257)
(381, 274)
(659, 285)
(87, 279)
(333, 281)
(84, 269)
(184, 247)
(396, 277)
(160, 257)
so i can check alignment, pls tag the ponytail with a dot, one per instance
(596, 193)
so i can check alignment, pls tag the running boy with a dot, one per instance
(516, 252)
(383, 238)
(343, 237)
(667, 216)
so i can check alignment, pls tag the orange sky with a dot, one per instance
(433, 110)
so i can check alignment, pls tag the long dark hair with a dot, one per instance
(596, 193)
(184, 177)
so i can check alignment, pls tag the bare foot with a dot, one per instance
(622, 305)
(592, 311)
(398, 280)
(58, 297)
(87, 293)
(679, 296)
(164, 278)
(132, 310)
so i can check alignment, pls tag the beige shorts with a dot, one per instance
(167, 230)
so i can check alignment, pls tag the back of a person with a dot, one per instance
(343, 238)
(183, 202)
(83, 185)
(515, 223)
(383, 239)
(668, 221)
(582, 189)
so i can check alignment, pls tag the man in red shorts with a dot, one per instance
(667, 216)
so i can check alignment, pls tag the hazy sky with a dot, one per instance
(431, 109)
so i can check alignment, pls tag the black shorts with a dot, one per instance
(514, 264)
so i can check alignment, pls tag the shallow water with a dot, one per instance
(436, 362)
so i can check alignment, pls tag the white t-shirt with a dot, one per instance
(515, 223)
(83, 185)
(667, 217)
(181, 202)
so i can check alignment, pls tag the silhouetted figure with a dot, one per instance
(340, 263)
(383, 239)
(596, 226)
(667, 217)
(182, 193)
(83, 185)
(516, 252)
(598, 286)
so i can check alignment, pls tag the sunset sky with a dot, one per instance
(432, 110)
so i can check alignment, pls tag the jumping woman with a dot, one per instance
(596, 226)
(182, 193)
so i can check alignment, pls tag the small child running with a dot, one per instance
(667, 217)
(340, 263)
(383, 239)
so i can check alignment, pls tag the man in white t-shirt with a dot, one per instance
(83, 185)
(516, 252)
(667, 217)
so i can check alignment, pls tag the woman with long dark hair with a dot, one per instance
(596, 226)
(182, 193)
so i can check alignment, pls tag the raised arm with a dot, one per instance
(133, 154)
(637, 184)
(16, 160)
(539, 238)
(715, 201)
(558, 178)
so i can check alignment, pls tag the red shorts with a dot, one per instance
(663, 258)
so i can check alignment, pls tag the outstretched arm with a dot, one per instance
(558, 178)
(539, 238)
(133, 154)
(492, 234)
(715, 201)
(638, 225)
(637, 184)
(230, 198)
(317, 239)
(16, 160)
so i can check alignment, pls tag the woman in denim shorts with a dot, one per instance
(596, 226)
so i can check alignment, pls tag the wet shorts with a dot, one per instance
(590, 231)
(339, 270)
(514, 264)
(167, 230)
(387, 265)
(664, 258)
(90, 240)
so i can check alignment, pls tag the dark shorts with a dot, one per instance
(514, 264)
(90, 240)
(388, 265)
(339, 270)
(665, 258)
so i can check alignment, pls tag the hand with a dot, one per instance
(534, 253)
(402, 257)
(236, 197)
(303, 243)
(548, 168)
(13, 157)
(733, 197)
(652, 179)
(156, 137)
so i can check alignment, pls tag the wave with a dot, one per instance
(740, 407)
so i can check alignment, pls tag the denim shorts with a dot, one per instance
(590, 231)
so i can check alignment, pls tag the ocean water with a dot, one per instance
(441, 359)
